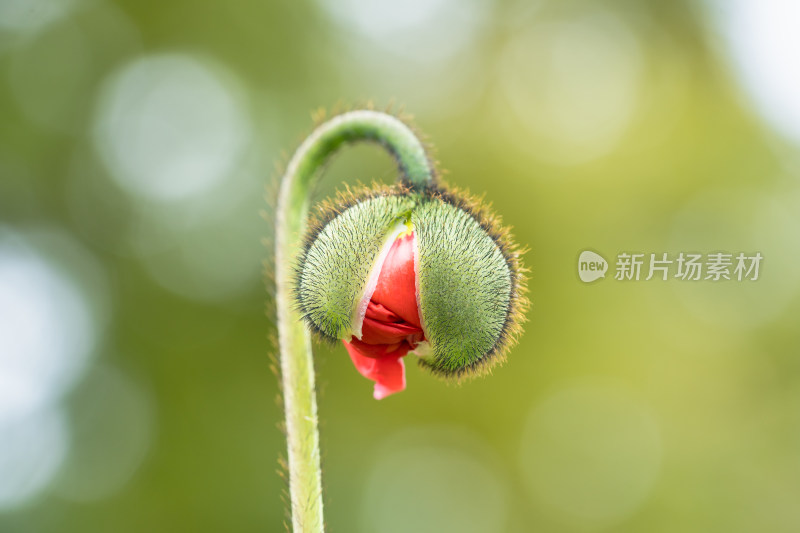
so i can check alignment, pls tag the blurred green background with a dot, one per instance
(137, 139)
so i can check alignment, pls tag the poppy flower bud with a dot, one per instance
(390, 270)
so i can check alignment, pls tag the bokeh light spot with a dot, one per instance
(29, 16)
(422, 30)
(762, 39)
(573, 83)
(590, 455)
(49, 325)
(46, 329)
(170, 127)
(32, 448)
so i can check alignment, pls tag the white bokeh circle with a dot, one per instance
(170, 127)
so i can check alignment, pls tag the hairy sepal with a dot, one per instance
(341, 254)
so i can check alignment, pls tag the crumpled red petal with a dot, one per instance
(382, 326)
(388, 372)
(391, 325)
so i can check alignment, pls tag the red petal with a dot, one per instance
(376, 351)
(391, 326)
(396, 289)
(387, 372)
(381, 326)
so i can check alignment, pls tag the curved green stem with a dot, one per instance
(297, 368)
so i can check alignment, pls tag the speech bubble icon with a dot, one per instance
(591, 266)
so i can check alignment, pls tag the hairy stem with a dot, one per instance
(297, 367)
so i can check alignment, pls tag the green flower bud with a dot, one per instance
(468, 285)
